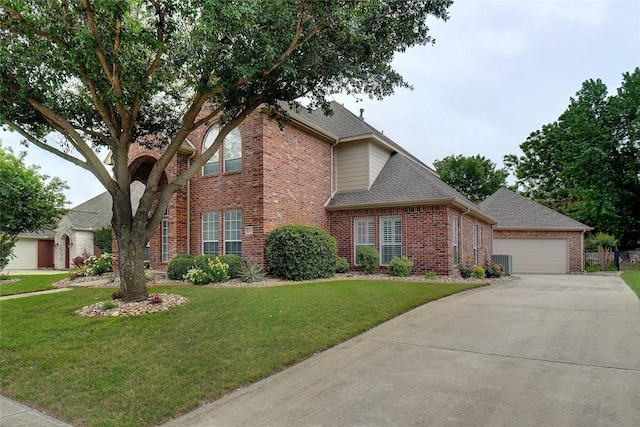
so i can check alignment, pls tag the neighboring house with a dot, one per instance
(336, 172)
(539, 239)
(76, 230)
(32, 251)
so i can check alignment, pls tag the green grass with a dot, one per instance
(632, 279)
(139, 371)
(31, 283)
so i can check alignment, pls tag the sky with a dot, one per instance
(499, 70)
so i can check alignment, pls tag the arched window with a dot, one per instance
(232, 152)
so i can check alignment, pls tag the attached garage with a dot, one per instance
(539, 239)
(535, 255)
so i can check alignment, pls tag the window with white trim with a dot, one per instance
(211, 167)
(364, 230)
(390, 238)
(475, 244)
(165, 240)
(233, 151)
(455, 240)
(210, 233)
(233, 232)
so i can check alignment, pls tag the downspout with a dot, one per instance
(333, 191)
(191, 156)
(582, 254)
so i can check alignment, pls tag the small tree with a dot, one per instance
(605, 243)
(28, 201)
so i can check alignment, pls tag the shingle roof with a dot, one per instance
(403, 182)
(514, 211)
(93, 214)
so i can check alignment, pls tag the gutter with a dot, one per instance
(462, 230)
(191, 156)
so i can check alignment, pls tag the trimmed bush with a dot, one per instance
(298, 252)
(400, 267)
(367, 258)
(179, 266)
(235, 263)
(477, 272)
(342, 265)
(491, 270)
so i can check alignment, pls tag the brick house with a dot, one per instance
(335, 172)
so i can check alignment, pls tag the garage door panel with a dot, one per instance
(534, 255)
(26, 253)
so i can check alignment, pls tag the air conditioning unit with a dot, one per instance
(504, 260)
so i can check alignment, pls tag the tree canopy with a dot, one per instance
(29, 201)
(114, 72)
(587, 163)
(475, 177)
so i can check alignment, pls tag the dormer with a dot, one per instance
(358, 163)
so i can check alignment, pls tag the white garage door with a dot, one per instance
(26, 255)
(535, 255)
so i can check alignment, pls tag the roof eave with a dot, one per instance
(521, 228)
(452, 201)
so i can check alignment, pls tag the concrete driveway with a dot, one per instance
(546, 350)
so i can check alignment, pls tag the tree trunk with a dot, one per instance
(131, 240)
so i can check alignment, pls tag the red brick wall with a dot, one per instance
(574, 239)
(427, 235)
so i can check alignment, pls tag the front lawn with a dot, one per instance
(31, 283)
(140, 371)
(632, 278)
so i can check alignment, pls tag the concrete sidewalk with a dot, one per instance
(14, 414)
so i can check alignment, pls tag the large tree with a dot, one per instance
(475, 177)
(29, 201)
(114, 72)
(587, 163)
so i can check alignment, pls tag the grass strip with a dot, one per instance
(632, 279)
(140, 371)
(31, 283)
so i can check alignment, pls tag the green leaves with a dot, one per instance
(475, 177)
(588, 160)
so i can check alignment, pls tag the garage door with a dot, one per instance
(26, 255)
(535, 255)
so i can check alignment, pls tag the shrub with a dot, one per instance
(103, 239)
(78, 261)
(217, 270)
(155, 299)
(235, 264)
(108, 305)
(430, 275)
(179, 266)
(116, 295)
(465, 265)
(342, 265)
(400, 267)
(250, 272)
(367, 257)
(477, 272)
(491, 270)
(297, 252)
(101, 265)
(197, 276)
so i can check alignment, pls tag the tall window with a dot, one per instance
(233, 151)
(455, 240)
(165, 240)
(475, 244)
(364, 230)
(233, 232)
(210, 233)
(390, 238)
(211, 167)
